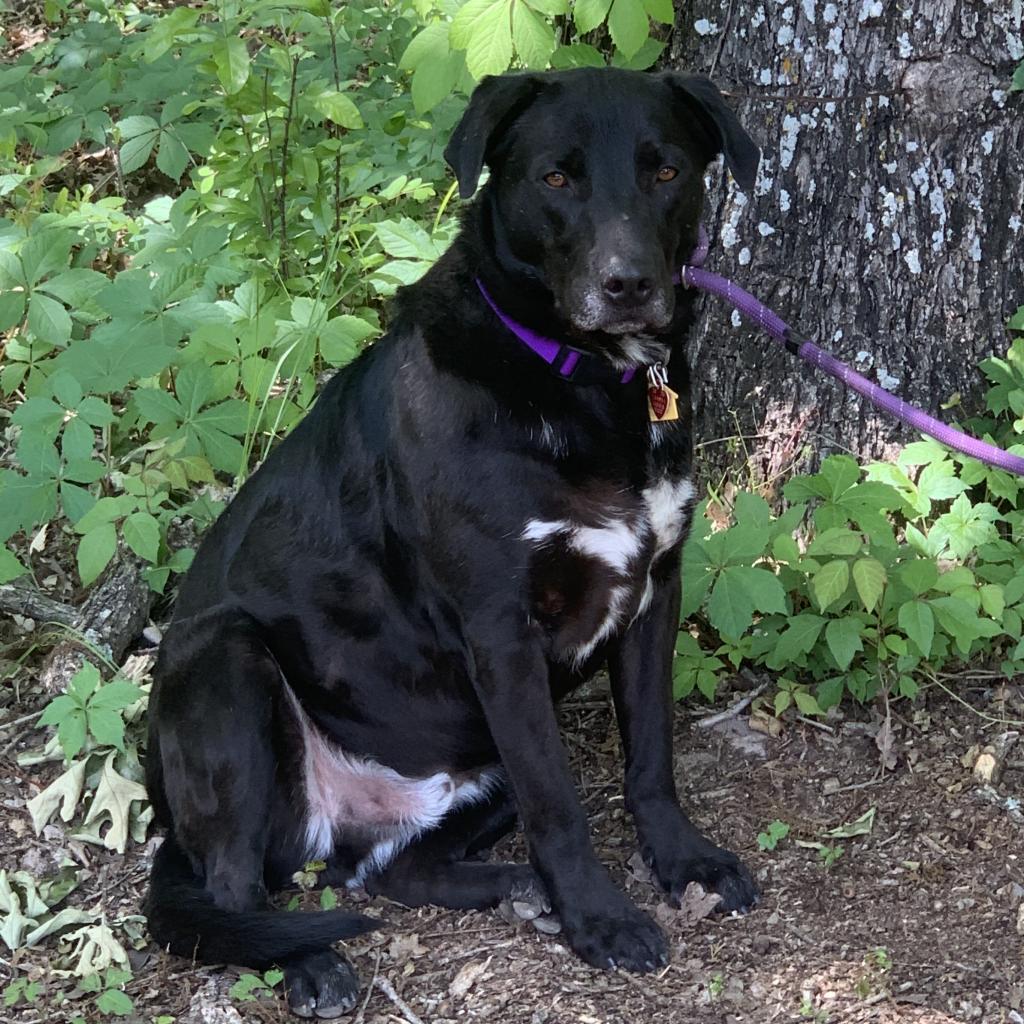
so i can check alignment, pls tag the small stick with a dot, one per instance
(389, 990)
(369, 990)
(724, 716)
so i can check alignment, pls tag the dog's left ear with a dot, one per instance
(495, 103)
(742, 154)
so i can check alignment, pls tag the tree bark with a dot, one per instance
(885, 225)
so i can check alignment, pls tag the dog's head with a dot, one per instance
(596, 188)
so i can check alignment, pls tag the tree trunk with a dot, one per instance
(886, 222)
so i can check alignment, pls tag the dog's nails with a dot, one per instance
(611, 964)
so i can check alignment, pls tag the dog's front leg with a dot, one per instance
(640, 666)
(600, 923)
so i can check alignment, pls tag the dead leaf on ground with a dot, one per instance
(467, 977)
(696, 904)
(114, 797)
(403, 947)
(638, 869)
(885, 741)
(64, 792)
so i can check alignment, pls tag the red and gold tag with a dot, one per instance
(661, 399)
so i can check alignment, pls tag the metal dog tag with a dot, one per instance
(661, 399)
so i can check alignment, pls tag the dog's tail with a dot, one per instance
(183, 918)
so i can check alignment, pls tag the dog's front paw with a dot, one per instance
(321, 985)
(615, 935)
(717, 870)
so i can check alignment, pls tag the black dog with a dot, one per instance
(365, 656)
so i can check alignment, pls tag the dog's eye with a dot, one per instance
(556, 179)
(667, 173)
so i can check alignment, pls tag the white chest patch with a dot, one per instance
(618, 543)
(344, 791)
(668, 510)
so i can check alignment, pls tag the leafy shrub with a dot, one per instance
(873, 579)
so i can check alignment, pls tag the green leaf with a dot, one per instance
(938, 482)
(10, 567)
(328, 901)
(121, 693)
(25, 501)
(48, 320)
(231, 58)
(339, 108)
(405, 239)
(992, 600)
(71, 733)
(490, 50)
(550, 8)
(738, 593)
(830, 692)
(139, 135)
(660, 10)
(172, 156)
(829, 583)
(115, 355)
(39, 414)
(141, 533)
(95, 550)
(920, 574)
(340, 338)
(12, 309)
(164, 32)
(247, 988)
(869, 578)
(578, 55)
(533, 37)
(436, 77)
(837, 541)
(841, 472)
(114, 1001)
(844, 640)
(588, 14)
(106, 726)
(57, 710)
(628, 25)
(428, 45)
(805, 703)
(797, 639)
(463, 24)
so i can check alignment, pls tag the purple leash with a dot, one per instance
(695, 276)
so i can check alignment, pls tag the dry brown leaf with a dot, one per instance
(696, 904)
(467, 977)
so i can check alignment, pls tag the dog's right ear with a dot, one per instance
(495, 102)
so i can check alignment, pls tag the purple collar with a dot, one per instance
(566, 362)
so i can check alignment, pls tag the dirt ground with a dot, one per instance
(919, 920)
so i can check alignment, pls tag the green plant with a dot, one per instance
(769, 839)
(251, 987)
(108, 989)
(89, 709)
(830, 854)
(872, 580)
(487, 37)
(716, 986)
(21, 990)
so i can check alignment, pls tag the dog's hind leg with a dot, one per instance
(434, 869)
(213, 731)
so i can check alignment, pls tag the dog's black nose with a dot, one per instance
(627, 289)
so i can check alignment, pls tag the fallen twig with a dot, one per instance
(404, 1008)
(731, 712)
(18, 599)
